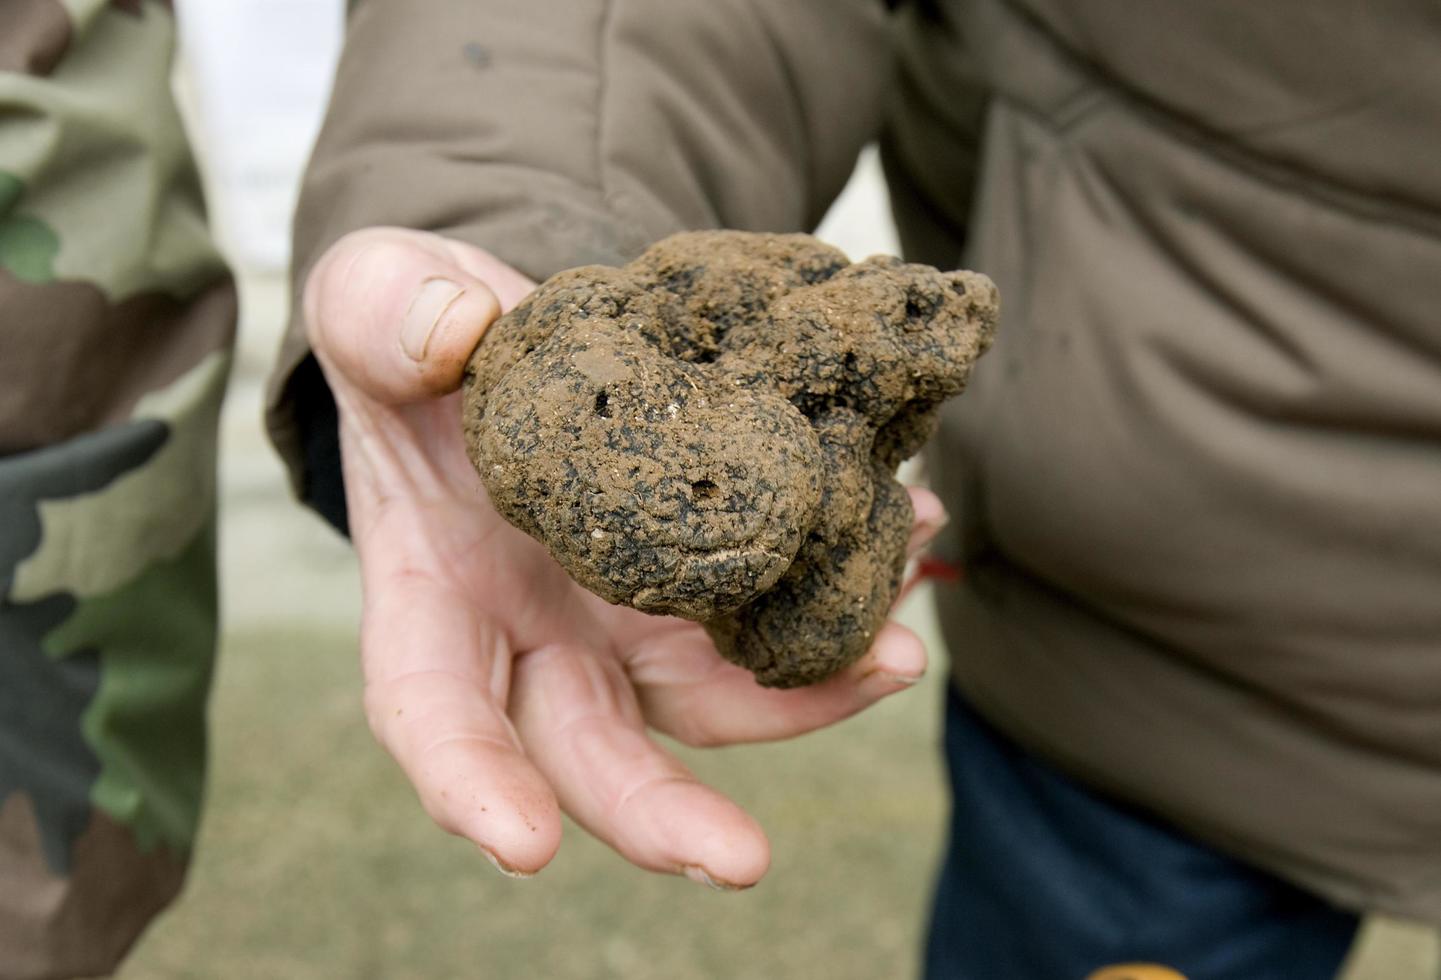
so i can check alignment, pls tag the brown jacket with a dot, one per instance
(1197, 481)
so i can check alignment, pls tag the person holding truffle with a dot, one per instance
(491, 675)
(1197, 649)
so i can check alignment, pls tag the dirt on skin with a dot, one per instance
(712, 432)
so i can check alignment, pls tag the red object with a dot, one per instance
(929, 566)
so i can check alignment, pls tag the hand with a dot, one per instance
(505, 691)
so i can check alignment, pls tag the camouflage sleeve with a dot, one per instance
(116, 319)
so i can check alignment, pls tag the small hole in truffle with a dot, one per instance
(704, 490)
(921, 305)
(602, 404)
(849, 362)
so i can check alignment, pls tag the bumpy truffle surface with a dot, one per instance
(712, 431)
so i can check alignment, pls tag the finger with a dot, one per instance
(584, 730)
(395, 313)
(436, 680)
(930, 517)
(687, 691)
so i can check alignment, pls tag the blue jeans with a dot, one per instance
(1046, 880)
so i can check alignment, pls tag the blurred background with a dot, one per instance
(315, 861)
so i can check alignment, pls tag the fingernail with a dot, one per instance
(699, 875)
(909, 680)
(424, 315)
(504, 868)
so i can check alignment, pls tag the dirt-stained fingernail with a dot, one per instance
(502, 867)
(906, 679)
(700, 876)
(427, 308)
(893, 677)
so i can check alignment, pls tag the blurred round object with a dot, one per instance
(1136, 971)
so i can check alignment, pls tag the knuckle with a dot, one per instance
(362, 261)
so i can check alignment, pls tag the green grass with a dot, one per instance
(315, 861)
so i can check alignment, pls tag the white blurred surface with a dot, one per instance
(260, 74)
(859, 222)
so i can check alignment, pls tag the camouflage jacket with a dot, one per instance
(116, 320)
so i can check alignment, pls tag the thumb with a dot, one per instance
(396, 313)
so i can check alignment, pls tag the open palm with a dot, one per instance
(505, 691)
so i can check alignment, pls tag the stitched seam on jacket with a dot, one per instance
(1413, 215)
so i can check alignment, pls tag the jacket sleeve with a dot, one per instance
(557, 133)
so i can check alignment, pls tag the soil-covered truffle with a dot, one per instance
(712, 432)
